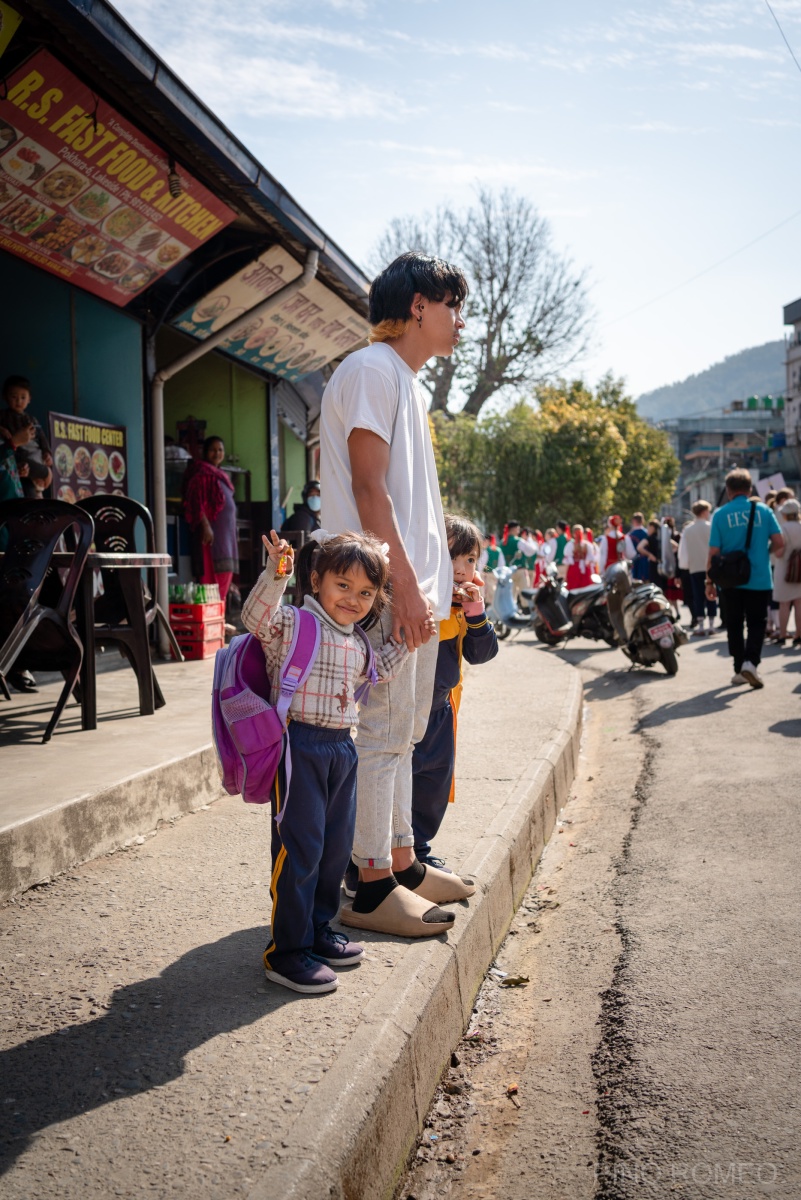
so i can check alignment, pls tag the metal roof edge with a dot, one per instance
(107, 24)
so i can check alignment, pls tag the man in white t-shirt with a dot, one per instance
(378, 473)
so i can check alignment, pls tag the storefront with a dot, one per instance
(134, 229)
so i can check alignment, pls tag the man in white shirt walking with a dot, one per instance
(378, 474)
(693, 552)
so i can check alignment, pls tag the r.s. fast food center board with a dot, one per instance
(85, 195)
(298, 336)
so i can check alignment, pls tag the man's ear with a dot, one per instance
(418, 306)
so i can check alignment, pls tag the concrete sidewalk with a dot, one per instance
(87, 793)
(161, 1058)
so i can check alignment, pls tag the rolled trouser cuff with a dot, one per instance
(401, 841)
(372, 864)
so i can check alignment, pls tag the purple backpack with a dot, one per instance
(248, 727)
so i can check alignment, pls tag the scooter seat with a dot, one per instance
(528, 593)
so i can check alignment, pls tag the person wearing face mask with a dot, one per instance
(306, 516)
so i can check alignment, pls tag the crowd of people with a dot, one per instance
(678, 561)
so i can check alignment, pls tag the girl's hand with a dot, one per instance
(278, 548)
(206, 532)
(471, 592)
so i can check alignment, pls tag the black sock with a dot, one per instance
(412, 877)
(370, 895)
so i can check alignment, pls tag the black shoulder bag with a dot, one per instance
(734, 569)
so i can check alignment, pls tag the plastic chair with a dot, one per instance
(36, 632)
(126, 610)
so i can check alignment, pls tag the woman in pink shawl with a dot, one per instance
(211, 512)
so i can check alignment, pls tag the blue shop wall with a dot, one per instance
(105, 381)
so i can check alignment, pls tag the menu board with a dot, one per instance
(301, 334)
(88, 457)
(86, 196)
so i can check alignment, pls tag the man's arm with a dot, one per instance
(369, 464)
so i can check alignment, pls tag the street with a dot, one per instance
(653, 1050)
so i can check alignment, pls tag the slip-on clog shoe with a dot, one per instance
(443, 887)
(403, 913)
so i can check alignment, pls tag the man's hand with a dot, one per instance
(47, 459)
(412, 619)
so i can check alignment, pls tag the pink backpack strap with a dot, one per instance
(295, 671)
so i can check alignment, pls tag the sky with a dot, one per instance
(658, 138)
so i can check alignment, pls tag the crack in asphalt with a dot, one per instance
(620, 1085)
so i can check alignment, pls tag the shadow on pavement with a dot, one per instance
(791, 728)
(140, 1043)
(716, 700)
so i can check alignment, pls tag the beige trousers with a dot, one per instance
(392, 721)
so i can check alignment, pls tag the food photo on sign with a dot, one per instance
(89, 458)
(84, 194)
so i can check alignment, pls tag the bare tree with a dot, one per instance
(527, 314)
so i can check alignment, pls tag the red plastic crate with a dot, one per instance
(197, 614)
(193, 648)
(209, 631)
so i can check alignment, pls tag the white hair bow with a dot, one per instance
(319, 536)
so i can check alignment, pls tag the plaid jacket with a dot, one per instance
(326, 698)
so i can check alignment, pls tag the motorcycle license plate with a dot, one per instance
(665, 630)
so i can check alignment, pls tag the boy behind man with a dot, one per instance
(378, 474)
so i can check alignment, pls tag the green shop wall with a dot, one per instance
(102, 379)
(229, 398)
(294, 467)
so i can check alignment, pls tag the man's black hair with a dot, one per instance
(392, 292)
(561, 525)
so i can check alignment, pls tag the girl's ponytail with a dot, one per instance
(309, 553)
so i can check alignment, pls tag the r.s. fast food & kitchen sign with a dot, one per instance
(84, 195)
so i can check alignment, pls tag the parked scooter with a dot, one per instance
(507, 614)
(643, 620)
(560, 614)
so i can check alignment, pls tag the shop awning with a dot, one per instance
(299, 336)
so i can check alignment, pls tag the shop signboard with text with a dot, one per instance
(89, 457)
(85, 195)
(302, 333)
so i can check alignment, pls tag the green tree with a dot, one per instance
(570, 453)
(650, 469)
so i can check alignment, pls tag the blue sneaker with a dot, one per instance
(335, 949)
(300, 971)
(431, 860)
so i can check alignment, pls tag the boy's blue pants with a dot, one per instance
(312, 845)
(432, 772)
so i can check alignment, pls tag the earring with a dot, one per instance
(420, 321)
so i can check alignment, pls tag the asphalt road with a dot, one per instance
(653, 1051)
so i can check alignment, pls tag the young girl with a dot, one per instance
(344, 581)
(465, 633)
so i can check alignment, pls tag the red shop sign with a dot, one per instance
(84, 195)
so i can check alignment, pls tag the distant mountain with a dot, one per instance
(755, 372)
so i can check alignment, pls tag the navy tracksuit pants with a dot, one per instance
(311, 847)
(432, 773)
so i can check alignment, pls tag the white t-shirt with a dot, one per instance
(374, 389)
